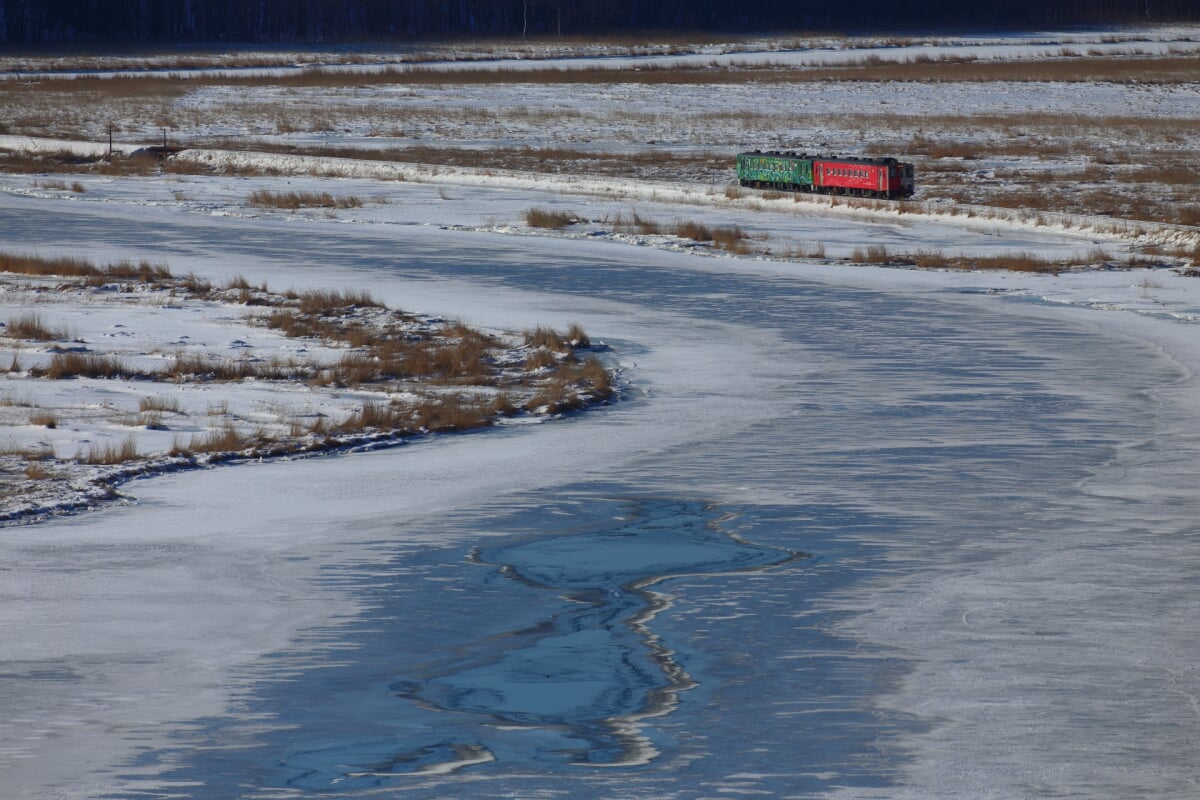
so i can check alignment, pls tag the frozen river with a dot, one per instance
(836, 542)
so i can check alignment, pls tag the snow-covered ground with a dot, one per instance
(915, 533)
(803, 52)
(1121, 145)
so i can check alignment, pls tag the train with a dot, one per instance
(884, 178)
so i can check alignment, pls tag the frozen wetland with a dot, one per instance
(852, 532)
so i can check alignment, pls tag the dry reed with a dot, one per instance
(293, 201)
(29, 326)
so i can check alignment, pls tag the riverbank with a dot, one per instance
(125, 371)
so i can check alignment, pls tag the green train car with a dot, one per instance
(884, 178)
(784, 171)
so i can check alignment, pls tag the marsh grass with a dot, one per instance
(464, 378)
(190, 367)
(29, 326)
(731, 238)
(375, 415)
(109, 453)
(332, 301)
(577, 337)
(635, 223)
(1168, 69)
(293, 201)
(39, 471)
(541, 358)
(431, 413)
(648, 162)
(548, 339)
(66, 266)
(86, 365)
(159, 403)
(1018, 261)
(226, 439)
(43, 419)
(572, 386)
(724, 237)
(453, 413)
(1159, 69)
(811, 250)
(65, 161)
(548, 218)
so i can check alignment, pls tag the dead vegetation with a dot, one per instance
(84, 365)
(293, 201)
(1018, 261)
(1129, 168)
(723, 237)
(548, 218)
(108, 453)
(44, 419)
(1071, 67)
(950, 150)
(647, 163)
(30, 326)
(117, 164)
(430, 375)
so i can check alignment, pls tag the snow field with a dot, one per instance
(1019, 636)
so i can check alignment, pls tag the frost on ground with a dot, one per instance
(119, 372)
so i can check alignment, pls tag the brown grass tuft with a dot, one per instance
(453, 413)
(43, 419)
(333, 301)
(540, 358)
(293, 201)
(577, 337)
(110, 453)
(159, 403)
(226, 439)
(376, 416)
(547, 218)
(38, 471)
(547, 338)
(29, 326)
(67, 266)
(85, 365)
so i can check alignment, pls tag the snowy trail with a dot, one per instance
(995, 495)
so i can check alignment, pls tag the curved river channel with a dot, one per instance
(833, 542)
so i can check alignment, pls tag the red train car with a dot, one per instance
(863, 177)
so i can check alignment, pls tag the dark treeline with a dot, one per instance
(65, 22)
